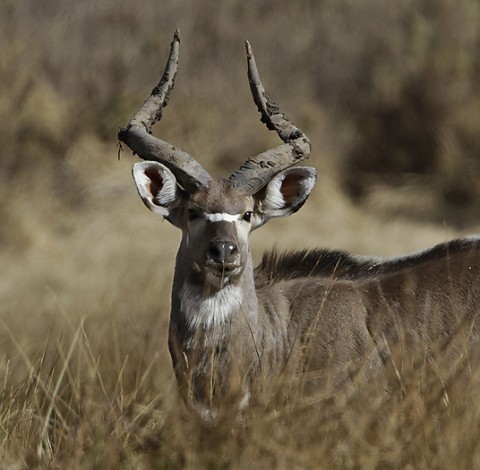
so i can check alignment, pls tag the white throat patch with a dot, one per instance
(208, 312)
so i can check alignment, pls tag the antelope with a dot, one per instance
(232, 324)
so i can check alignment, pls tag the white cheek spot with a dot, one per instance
(243, 230)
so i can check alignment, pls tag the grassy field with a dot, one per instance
(85, 274)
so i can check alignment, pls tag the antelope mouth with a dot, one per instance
(220, 269)
(219, 274)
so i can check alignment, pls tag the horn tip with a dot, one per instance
(248, 47)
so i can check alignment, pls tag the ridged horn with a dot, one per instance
(137, 135)
(257, 171)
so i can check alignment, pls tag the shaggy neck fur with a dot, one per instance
(209, 311)
(203, 309)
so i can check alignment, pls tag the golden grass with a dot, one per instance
(87, 379)
(85, 273)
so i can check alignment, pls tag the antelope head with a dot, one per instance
(217, 215)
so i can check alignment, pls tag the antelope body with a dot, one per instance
(232, 324)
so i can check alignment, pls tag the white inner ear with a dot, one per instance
(156, 185)
(286, 193)
(308, 182)
(168, 193)
(273, 197)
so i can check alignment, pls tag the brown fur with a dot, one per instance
(231, 325)
(304, 312)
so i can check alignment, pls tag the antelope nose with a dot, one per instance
(222, 251)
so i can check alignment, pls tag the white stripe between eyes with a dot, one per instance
(222, 217)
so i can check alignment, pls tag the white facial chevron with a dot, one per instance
(222, 217)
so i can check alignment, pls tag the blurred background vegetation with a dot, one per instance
(389, 94)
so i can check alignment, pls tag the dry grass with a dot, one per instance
(85, 273)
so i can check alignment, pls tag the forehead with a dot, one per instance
(221, 197)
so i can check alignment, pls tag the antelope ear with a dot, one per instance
(284, 194)
(156, 185)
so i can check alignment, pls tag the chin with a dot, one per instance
(220, 278)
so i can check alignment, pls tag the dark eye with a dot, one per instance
(247, 216)
(193, 214)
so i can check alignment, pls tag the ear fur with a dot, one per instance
(285, 194)
(156, 185)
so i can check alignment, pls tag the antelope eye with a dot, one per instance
(247, 216)
(193, 214)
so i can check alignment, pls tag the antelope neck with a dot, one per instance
(205, 307)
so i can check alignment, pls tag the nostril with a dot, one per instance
(215, 251)
(222, 251)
